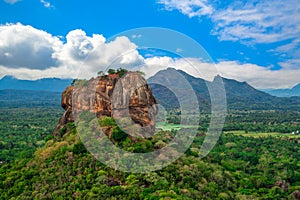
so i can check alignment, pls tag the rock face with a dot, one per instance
(114, 96)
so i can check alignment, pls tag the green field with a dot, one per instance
(169, 127)
(256, 134)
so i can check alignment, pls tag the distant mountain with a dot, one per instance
(46, 84)
(295, 91)
(240, 95)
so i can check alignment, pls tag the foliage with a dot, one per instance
(267, 121)
(111, 71)
(107, 121)
(79, 83)
(140, 73)
(120, 71)
(234, 169)
(22, 130)
(101, 73)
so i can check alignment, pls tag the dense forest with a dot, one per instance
(248, 165)
(265, 121)
(27, 119)
(237, 168)
(22, 130)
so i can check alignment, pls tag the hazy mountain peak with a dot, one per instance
(46, 84)
(296, 87)
(294, 91)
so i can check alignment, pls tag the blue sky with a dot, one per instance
(253, 41)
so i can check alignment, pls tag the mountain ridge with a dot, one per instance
(239, 95)
(294, 91)
(44, 84)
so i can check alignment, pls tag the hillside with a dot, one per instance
(63, 169)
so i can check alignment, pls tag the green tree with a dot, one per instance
(121, 71)
(101, 73)
(111, 71)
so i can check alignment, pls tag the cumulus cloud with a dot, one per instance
(94, 53)
(191, 8)
(29, 53)
(25, 46)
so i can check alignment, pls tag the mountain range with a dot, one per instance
(239, 95)
(45, 84)
(295, 91)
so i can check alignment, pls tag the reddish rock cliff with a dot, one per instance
(114, 96)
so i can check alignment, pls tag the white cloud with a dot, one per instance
(136, 36)
(29, 53)
(259, 76)
(46, 4)
(258, 21)
(264, 22)
(11, 1)
(179, 50)
(33, 74)
(250, 22)
(193, 66)
(191, 8)
(95, 53)
(291, 64)
(290, 50)
(25, 46)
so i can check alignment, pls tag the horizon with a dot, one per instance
(267, 90)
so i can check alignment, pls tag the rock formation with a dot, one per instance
(113, 96)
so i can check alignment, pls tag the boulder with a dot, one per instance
(128, 97)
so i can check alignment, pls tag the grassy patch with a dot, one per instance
(256, 135)
(169, 127)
